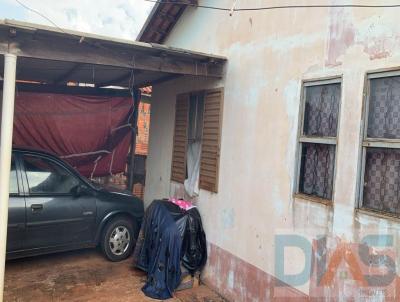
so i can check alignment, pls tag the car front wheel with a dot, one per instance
(118, 239)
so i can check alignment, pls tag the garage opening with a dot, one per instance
(82, 97)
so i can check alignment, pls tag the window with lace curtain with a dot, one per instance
(318, 138)
(381, 145)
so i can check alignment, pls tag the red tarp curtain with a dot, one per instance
(92, 133)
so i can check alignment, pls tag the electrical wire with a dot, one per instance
(40, 14)
(279, 7)
(234, 9)
(81, 39)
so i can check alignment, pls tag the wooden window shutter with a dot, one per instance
(178, 169)
(211, 140)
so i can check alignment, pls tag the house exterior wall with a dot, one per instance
(269, 54)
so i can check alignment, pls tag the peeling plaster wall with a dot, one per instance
(269, 54)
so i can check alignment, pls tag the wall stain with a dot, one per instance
(375, 37)
(341, 36)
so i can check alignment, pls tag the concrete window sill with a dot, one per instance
(305, 197)
(377, 214)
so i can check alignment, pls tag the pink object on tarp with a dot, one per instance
(183, 204)
(92, 133)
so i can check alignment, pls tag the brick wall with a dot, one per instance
(142, 139)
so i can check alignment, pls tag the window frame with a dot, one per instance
(365, 142)
(17, 172)
(301, 138)
(201, 94)
(24, 172)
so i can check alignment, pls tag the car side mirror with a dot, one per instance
(78, 191)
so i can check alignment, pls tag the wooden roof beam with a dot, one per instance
(161, 80)
(118, 80)
(65, 49)
(66, 75)
(168, 17)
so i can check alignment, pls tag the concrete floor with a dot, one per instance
(83, 276)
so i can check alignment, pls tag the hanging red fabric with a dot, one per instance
(92, 133)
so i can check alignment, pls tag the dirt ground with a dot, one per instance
(83, 276)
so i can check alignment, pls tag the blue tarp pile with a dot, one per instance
(169, 237)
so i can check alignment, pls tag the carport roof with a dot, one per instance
(56, 56)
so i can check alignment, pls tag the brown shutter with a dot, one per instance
(211, 140)
(178, 170)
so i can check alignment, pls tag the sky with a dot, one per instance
(116, 18)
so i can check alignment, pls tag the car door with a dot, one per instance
(16, 209)
(54, 215)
